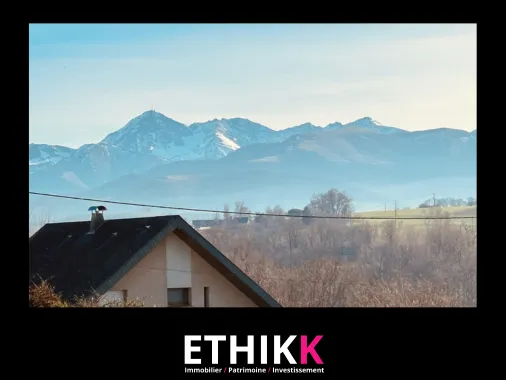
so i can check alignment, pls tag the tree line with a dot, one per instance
(330, 203)
(448, 202)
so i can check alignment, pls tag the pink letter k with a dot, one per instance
(305, 349)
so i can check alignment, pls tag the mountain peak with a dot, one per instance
(335, 125)
(152, 114)
(367, 123)
(152, 119)
(150, 133)
(240, 119)
(224, 120)
(367, 120)
(307, 124)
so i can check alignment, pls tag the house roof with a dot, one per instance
(77, 263)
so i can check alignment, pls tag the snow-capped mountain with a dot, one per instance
(152, 133)
(365, 123)
(217, 138)
(90, 165)
(303, 129)
(360, 162)
(152, 139)
(42, 155)
(156, 134)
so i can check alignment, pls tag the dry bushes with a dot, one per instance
(331, 264)
(43, 295)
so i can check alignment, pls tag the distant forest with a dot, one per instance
(448, 202)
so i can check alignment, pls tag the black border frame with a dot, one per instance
(383, 341)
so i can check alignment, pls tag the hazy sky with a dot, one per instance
(89, 80)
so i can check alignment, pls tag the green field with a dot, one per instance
(460, 211)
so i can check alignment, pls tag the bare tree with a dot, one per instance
(388, 230)
(226, 215)
(36, 221)
(278, 210)
(306, 213)
(293, 230)
(333, 202)
(240, 207)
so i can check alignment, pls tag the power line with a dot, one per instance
(246, 213)
(395, 213)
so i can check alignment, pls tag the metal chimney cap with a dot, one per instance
(99, 208)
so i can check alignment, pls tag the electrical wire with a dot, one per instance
(249, 213)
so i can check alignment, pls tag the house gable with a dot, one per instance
(172, 264)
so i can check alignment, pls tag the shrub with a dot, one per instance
(43, 295)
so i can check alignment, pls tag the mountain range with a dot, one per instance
(155, 159)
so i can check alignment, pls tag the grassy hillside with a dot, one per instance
(460, 211)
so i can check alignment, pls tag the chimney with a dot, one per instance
(97, 217)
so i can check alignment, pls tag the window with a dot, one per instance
(125, 295)
(178, 297)
(206, 296)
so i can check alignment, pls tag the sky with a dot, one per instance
(88, 80)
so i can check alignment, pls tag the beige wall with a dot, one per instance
(221, 292)
(173, 264)
(178, 263)
(148, 279)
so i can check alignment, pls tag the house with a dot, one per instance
(161, 260)
(209, 223)
(206, 223)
